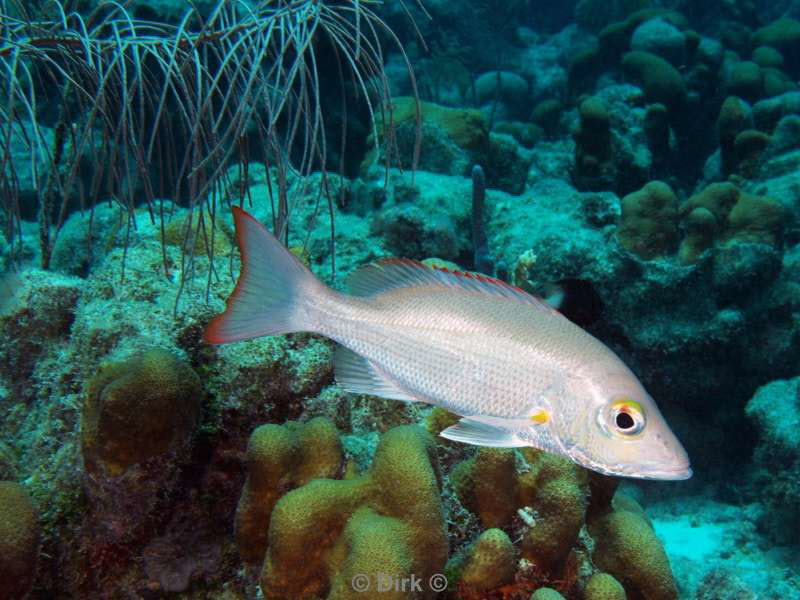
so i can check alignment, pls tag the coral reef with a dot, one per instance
(735, 117)
(452, 139)
(546, 593)
(660, 81)
(38, 317)
(666, 208)
(137, 423)
(784, 36)
(741, 216)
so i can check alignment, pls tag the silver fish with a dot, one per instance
(517, 371)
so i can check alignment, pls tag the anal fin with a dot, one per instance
(358, 375)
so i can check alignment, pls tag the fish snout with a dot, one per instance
(668, 459)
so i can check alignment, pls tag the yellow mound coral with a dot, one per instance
(550, 497)
(594, 160)
(280, 458)
(477, 481)
(627, 548)
(465, 128)
(546, 593)
(740, 216)
(19, 541)
(487, 564)
(602, 586)
(138, 409)
(196, 232)
(649, 221)
(344, 538)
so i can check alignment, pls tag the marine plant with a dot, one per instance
(166, 107)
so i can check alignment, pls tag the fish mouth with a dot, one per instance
(671, 474)
(658, 471)
(671, 470)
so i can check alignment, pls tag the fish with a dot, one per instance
(515, 370)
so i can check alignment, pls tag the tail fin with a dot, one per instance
(273, 286)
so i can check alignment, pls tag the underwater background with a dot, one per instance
(642, 158)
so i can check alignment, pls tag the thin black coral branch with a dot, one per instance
(136, 93)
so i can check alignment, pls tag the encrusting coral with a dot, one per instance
(280, 458)
(335, 537)
(19, 541)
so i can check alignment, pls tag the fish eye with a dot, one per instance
(624, 420)
(626, 417)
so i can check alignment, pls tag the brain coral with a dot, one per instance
(19, 541)
(334, 538)
(138, 409)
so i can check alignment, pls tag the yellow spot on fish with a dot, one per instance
(626, 405)
(540, 417)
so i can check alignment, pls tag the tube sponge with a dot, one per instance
(19, 541)
(138, 409)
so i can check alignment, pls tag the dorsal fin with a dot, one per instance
(394, 273)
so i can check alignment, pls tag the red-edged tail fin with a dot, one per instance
(273, 286)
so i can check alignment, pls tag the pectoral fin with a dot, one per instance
(478, 432)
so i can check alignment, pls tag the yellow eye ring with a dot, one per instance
(626, 417)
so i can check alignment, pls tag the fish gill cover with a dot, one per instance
(639, 167)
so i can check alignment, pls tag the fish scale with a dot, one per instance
(455, 365)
